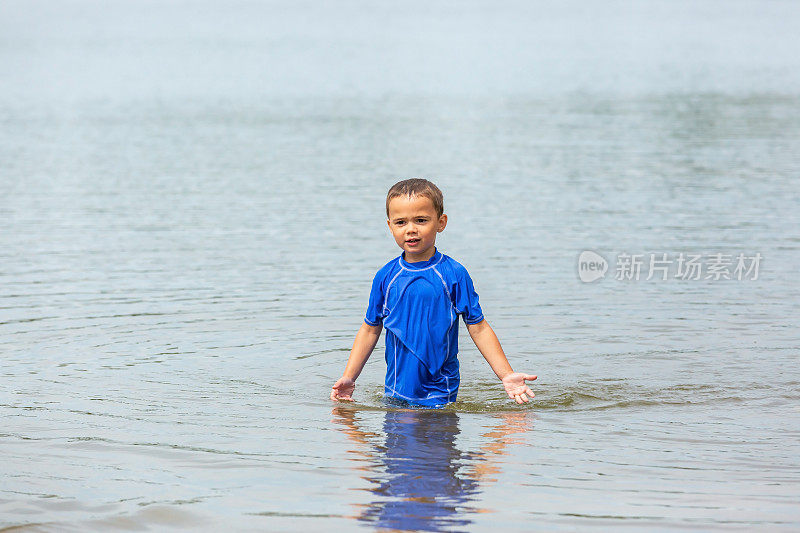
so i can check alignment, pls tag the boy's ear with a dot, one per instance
(442, 223)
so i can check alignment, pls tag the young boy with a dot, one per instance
(418, 297)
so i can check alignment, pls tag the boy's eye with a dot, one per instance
(417, 220)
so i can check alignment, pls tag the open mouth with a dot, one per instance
(412, 242)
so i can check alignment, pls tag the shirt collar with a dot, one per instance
(420, 265)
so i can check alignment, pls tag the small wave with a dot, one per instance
(488, 397)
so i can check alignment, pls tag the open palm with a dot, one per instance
(516, 388)
(343, 389)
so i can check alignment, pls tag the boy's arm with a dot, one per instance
(366, 339)
(514, 382)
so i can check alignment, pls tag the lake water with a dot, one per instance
(191, 212)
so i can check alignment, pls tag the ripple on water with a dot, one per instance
(485, 397)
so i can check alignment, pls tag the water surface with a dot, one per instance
(191, 202)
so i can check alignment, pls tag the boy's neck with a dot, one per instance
(419, 258)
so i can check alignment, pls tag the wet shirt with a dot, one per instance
(419, 305)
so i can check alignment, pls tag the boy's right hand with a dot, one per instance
(343, 389)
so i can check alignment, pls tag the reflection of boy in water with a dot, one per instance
(418, 297)
(427, 480)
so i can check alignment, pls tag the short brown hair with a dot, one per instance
(417, 187)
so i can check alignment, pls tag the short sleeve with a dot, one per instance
(467, 299)
(374, 315)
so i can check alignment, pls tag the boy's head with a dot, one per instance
(415, 214)
(417, 187)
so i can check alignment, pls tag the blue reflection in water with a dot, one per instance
(421, 479)
(425, 482)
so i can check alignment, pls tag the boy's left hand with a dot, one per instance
(516, 389)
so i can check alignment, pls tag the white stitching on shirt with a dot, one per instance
(452, 308)
(444, 284)
(389, 286)
(428, 397)
(473, 322)
(400, 262)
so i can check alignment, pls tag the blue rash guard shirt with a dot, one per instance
(419, 305)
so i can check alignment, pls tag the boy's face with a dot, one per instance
(414, 225)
